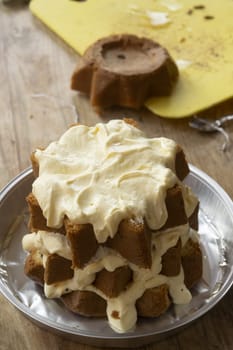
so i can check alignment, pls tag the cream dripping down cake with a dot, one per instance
(113, 229)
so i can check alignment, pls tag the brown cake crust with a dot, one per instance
(85, 303)
(112, 283)
(124, 70)
(57, 269)
(181, 165)
(33, 267)
(154, 302)
(175, 208)
(191, 258)
(171, 260)
(82, 241)
(133, 242)
(37, 221)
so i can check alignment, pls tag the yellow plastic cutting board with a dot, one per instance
(198, 35)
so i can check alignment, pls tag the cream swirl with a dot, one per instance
(103, 174)
(125, 303)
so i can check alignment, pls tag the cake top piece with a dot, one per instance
(124, 70)
(103, 174)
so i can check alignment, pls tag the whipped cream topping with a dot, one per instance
(103, 174)
(109, 259)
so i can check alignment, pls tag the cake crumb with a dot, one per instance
(199, 7)
(115, 314)
(190, 12)
(208, 17)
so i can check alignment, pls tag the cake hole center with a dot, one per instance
(121, 56)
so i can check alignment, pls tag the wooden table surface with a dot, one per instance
(36, 106)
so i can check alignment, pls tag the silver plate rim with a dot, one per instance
(42, 321)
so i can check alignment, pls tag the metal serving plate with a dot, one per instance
(216, 227)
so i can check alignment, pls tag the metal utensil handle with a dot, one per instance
(221, 121)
